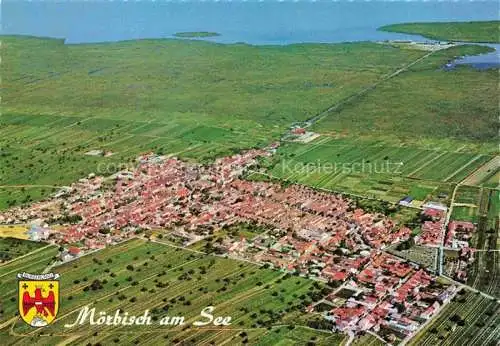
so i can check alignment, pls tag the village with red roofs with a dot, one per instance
(309, 233)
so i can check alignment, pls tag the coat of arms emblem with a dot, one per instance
(38, 297)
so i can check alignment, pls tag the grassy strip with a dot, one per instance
(483, 31)
(194, 34)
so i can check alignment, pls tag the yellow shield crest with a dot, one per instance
(38, 297)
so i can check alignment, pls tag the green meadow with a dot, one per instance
(427, 106)
(484, 31)
(371, 168)
(194, 99)
(11, 248)
(136, 275)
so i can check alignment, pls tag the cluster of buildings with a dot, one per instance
(300, 134)
(433, 221)
(453, 237)
(166, 193)
(311, 233)
(458, 237)
(389, 297)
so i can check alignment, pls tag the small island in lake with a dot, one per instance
(196, 34)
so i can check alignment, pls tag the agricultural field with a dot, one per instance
(484, 31)
(488, 175)
(465, 213)
(467, 202)
(13, 195)
(428, 107)
(470, 195)
(138, 275)
(61, 101)
(34, 262)
(493, 180)
(484, 274)
(470, 319)
(371, 168)
(451, 167)
(18, 231)
(11, 248)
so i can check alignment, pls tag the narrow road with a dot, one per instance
(443, 231)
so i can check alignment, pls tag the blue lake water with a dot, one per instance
(483, 61)
(252, 22)
(267, 22)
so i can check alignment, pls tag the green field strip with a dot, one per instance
(311, 178)
(465, 214)
(493, 181)
(45, 138)
(471, 310)
(95, 140)
(199, 151)
(158, 129)
(468, 168)
(425, 164)
(318, 152)
(36, 120)
(442, 168)
(419, 160)
(400, 154)
(419, 192)
(323, 180)
(10, 248)
(330, 183)
(64, 138)
(302, 148)
(493, 204)
(21, 133)
(367, 154)
(468, 194)
(131, 146)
